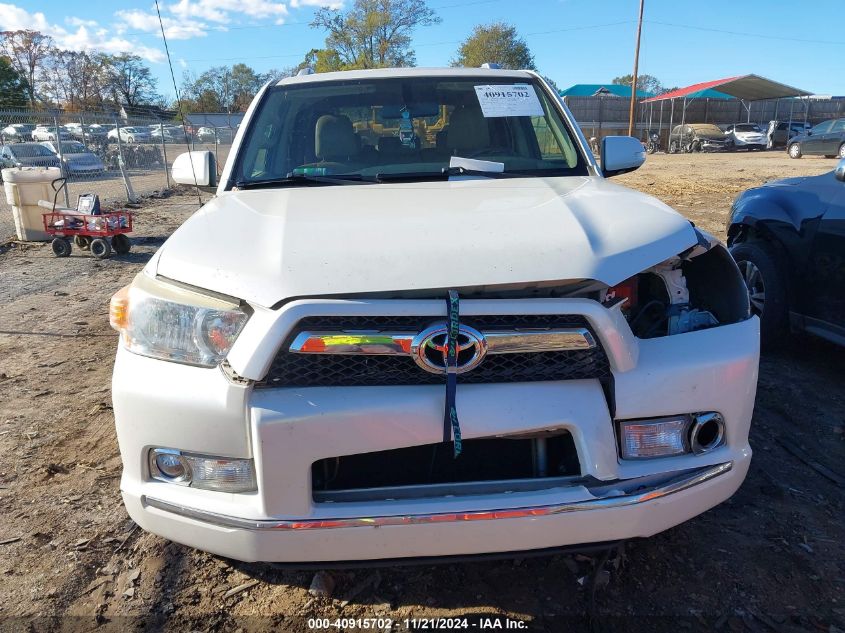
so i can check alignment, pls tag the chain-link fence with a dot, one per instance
(119, 159)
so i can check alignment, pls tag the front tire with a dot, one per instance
(100, 248)
(795, 150)
(765, 279)
(841, 152)
(61, 247)
(121, 244)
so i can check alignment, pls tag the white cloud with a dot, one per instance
(13, 18)
(221, 10)
(331, 4)
(74, 21)
(148, 22)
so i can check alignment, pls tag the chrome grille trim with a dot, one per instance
(373, 343)
(383, 365)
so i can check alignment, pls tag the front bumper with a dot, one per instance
(715, 146)
(286, 430)
(638, 514)
(750, 142)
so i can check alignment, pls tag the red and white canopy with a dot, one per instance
(745, 87)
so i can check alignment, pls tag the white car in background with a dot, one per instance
(215, 134)
(48, 133)
(747, 136)
(129, 134)
(17, 133)
(418, 320)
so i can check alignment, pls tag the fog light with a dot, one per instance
(707, 432)
(661, 437)
(202, 471)
(171, 466)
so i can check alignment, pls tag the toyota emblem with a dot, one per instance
(429, 351)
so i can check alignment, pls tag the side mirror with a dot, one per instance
(195, 168)
(839, 172)
(621, 154)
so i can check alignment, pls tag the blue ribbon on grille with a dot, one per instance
(451, 426)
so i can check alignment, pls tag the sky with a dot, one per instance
(573, 41)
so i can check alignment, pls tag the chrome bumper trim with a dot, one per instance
(677, 484)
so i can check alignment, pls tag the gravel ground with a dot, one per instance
(770, 559)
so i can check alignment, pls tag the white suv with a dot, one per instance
(417, 321)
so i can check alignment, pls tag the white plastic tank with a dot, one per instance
(24, 187)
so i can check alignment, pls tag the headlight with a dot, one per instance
(168, 322)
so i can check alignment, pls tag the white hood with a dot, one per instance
(749, 137)
(267, 245)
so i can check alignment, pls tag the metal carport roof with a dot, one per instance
(744, 87)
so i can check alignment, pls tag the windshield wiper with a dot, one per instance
(443, 174)
(302, 179)
(458, 167)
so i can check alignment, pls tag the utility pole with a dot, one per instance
(636, 68)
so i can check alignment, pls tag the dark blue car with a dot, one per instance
(825, 139)
(788, 238)
(27, 155)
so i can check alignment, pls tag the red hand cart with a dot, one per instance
(102, 234)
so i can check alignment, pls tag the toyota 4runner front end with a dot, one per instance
(418, 321)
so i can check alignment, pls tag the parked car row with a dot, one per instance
(99, 133)
(825, 139)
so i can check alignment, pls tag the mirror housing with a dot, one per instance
(621, 154)
(839, 172)
(200, 165)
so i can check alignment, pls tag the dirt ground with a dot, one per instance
(770, 559)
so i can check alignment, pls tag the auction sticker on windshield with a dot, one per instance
(510, 100)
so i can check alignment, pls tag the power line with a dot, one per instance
(178, 103)
(743, 34)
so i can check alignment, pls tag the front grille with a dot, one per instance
(313, 370)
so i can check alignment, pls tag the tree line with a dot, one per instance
(368, 34)
(39, 74)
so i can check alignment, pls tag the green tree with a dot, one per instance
(222, 89)
(27, 52)
(646, 83)
(245, 83)
(14, 91)
(371, 34)
(495, 43)
(129, 80)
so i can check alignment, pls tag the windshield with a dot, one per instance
(708, 129)
(407, 126)
(30, 151)
(747, 127)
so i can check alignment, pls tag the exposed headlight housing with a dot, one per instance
(221, 474)
(169, 322)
